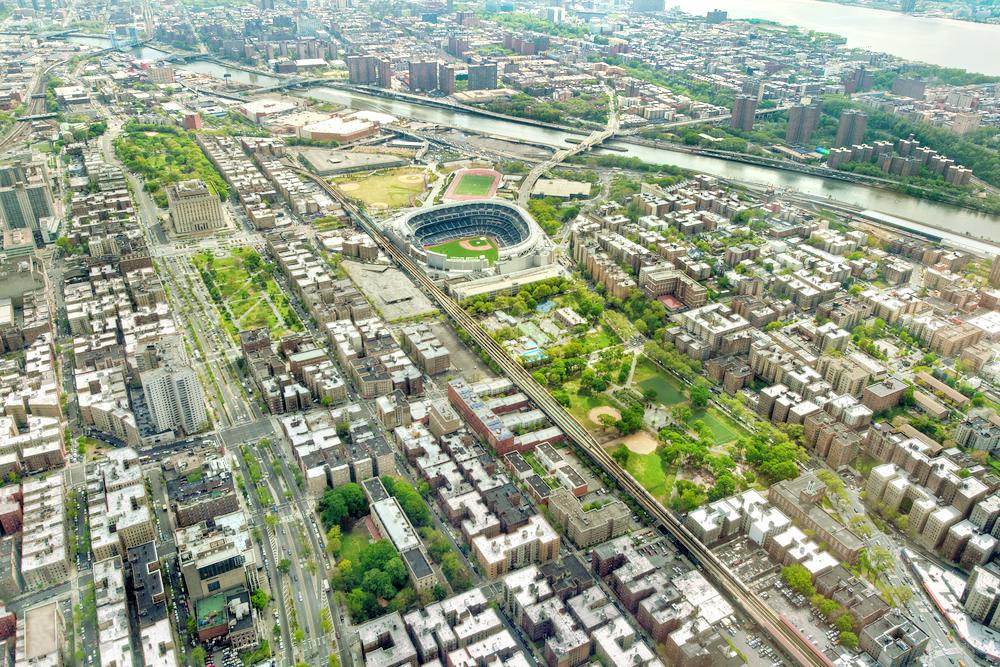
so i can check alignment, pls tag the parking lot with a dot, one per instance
(755, 568)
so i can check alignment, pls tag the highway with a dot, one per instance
(786, 637)
(707, 121)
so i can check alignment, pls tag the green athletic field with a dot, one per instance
(455, 249)
(473, 185)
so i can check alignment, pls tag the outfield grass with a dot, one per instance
(393, 189)
(474, 185)
(485, 246)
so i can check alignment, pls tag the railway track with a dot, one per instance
(784, 634)
(35, 106)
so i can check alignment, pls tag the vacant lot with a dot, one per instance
(392, 189)
(476, 185)
(469, 247)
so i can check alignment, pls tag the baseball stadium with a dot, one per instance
(492, 236)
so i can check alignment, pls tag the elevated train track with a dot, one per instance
(784, 634)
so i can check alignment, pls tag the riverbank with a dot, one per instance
(918, 11)
(938, 41)
(988, 207)
(960, 221)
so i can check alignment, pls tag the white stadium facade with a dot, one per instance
(522, 243)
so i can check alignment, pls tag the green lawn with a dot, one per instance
(598, 340)
(261, 315)
(483, 245)
(579, 405)
(474, 185)
(391, 189)
(648, 471)
(237, 283)
(648, 376)
(353, 542)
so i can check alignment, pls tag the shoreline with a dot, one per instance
(917, 14)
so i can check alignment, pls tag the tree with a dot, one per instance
(437, 544)
(631, 420)
(198, 656)
(397, 572)
(334, 542)
(409, 499)
(798, 579)
(875, 560)
(259, 599)
(725, 486)
(378, 583)
(362, 605)
(375, 556)
(354, 499)
(689, 496)
(456, 573)
(699, 392)
(607, 421)
(828, 607)
(681, 413)
(849, 639)
(333, 508)
(844, 623)
(284, 565)
(621, 456)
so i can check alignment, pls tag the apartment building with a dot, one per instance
(534, 542)
(120, 515)
(800, 500)
(44, 546)
(203, 494)
(173, 393)
(587, 527)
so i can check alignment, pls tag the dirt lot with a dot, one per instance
(595, 413)
(639, 443)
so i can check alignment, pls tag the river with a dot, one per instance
(961, 222)
(944, 42)
(941, 216)
(141, 53)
